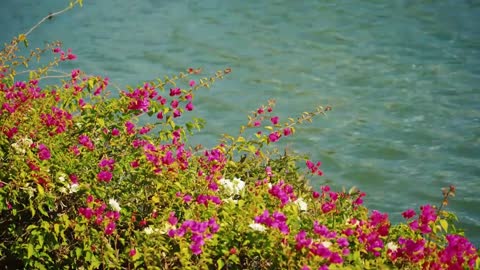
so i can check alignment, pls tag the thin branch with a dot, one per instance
(49, 16)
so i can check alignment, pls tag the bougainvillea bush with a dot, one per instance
(93, 176)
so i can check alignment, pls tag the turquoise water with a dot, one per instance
(402, 76)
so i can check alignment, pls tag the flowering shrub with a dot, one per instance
(94, 180)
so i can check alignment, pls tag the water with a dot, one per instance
(402, 76)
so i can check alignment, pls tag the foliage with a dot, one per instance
(92, 180)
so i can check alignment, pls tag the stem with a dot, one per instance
(49, 16)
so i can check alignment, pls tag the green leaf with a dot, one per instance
(220, 264)
(30, 250)
(444, 224)
(56, 228)
(101, 122)
(78, 252)
(41, 190)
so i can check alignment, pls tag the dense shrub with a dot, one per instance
(90, 179)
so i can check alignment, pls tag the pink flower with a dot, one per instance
(172, 219)
(273, 137)
(408, 214)
(132, 252)
(189, 106)
(130, 127)
(274, 120)
(257, 123)
(115, 132)
(105, 176)
(43, 152)
(70, 55)
(191, 83)
(160, 115)
(73, 179)
(260, 110)
(176, 113)
(134, 164)
(144, 130)
(174, 104)
(287, 131)
(110, 228)
(175, 92)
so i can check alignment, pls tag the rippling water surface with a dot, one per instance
(402, 76)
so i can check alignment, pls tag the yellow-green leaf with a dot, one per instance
(444, 224)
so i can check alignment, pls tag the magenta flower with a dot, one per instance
(189, 106)
(287, 131)
(260, 110)
(132, 252)
(43, 152)
(107, 162)
(175, 92)
(110, 228)
(130, 127)
(174, 104)
(408, 214)
(115, 132)
(105, 176)
(327, 207)
(273, 137)
(73, 178)
(172, 219)
(134, 164)
(191, 83)
(274, 120)
(160, 115)
(86, 142)
(176, 113)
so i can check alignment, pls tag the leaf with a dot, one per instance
(30, 250)
(220, 264)
(240, 139)
(22, 37)
(155, 199)
(41, 190)
(101, 122)
(56, 228)
(444, 224)
(78, 252)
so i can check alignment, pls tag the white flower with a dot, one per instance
(326, 244)
(392, 246)
(150, 230)
(233, 187)
(74, 188)
(257, 227)
(166, 228)
(21, 145)
(62, 177)
(114, 204)
(18, 148)
(302, 205)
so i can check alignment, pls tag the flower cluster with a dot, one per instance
(283, 191)
(277, 220)
(198, 230)
(95, 212)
